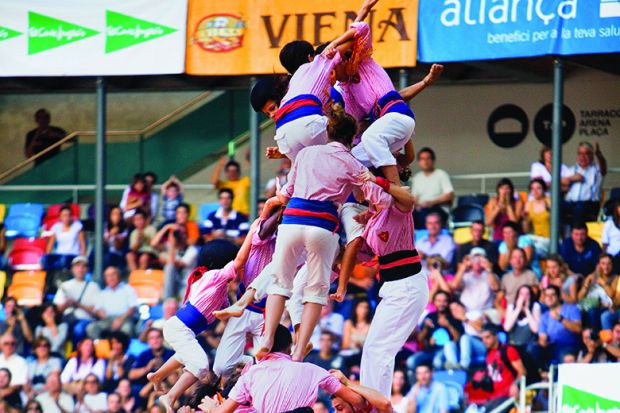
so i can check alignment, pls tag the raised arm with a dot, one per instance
(602, 162)
(403, 199)
(412, 91)
(215, 177)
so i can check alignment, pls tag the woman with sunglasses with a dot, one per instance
(85, 363)
(41, 366)
(90, 398)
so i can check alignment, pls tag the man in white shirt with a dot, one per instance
(115, 307)
(78, 297)
(13, 362)
(584, 183)
(431, 187)
(54, 400)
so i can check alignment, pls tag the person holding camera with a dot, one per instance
(594, 351)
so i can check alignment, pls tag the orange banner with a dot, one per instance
(241, 37)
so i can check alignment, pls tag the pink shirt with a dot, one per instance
(210, 292)
(329, 173)
(374, 81)
(389, 230)
(313, 78)
(260, 255)
(278, 384)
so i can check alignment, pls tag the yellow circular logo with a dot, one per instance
(220, 33)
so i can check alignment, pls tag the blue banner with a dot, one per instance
(460, 30)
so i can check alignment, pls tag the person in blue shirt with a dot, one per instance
(579, 251)
(428, 395)
(225, 222)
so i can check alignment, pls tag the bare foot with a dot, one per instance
(301, 357)
(234, 310)
(156, 383)
(264, 349)
(166, 403)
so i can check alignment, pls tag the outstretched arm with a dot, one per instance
(244, 251)
(403, 199)
(345, 41)
(372, 396)
(412, 91)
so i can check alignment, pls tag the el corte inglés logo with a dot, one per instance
(220, 33)
(124, 31)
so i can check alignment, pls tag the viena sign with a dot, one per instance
(461, 30)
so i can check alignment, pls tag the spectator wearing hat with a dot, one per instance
(477, 284)
(77, 297)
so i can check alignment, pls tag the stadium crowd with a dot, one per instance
(501, 307)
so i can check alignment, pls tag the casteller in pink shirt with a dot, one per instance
(279, 384)
(389, 230)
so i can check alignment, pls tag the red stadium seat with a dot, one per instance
(27, 253)
(53, 212)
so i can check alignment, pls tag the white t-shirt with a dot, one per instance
(590, 188)
(539, 170)
(17, 366)
(72, 372)
(428, 187)
(611, 237)
(73, 289)
(67, 242)
(94, 403)
(118, 301)
(48, 404)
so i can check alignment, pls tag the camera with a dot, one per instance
(594, 335)
(436, 265)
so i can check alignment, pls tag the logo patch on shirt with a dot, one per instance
(384, 236)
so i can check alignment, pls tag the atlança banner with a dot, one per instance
(588, 388)
(237, 37)
(98, 37)
(462, 30)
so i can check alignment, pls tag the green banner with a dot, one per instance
(45, 32)
(579, 401)
(124, 31)
(6, 33)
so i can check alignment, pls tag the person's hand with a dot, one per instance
(487, 265)
(592, 345)
(340, 376)
(362, 218)
(597, 149)
(369, 4)
(185, 409)
(442, 320)
(274, 153)
(466, 263)
(208, 404)
(429, 323)
(433, 74)
(117, 323)
(555, 314)
(148, 324)
(366, 176)
(339, 295)
(330, 51)
(519, 303)
(514, 390)
(20, 314)
(70, 302)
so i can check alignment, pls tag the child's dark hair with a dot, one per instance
(266, 89)
(295, 54)
(341, 126)
(200, 391)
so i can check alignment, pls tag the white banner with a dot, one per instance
(95, 37)
(589, 388)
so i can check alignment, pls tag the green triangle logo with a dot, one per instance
(6, 33)
(46, 33)
(124, 31)
(580, 400)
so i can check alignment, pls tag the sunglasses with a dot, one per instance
(91, 382)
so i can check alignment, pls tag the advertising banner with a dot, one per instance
(238, 37)
(585, 388)
(98, 37)
(462, 30)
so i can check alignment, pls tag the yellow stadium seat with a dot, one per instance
(595, 231)
(102, 349)
(2, 283)
(193, 212)
(2, 212)
(148, 284)
(462, 235)
(27, 287)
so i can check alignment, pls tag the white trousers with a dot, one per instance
(231, 348)
(186, 348)
(352, 228)
(388, 134)
(319, 246)
(293, 136)
(397, 315)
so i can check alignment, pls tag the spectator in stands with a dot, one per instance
(613, 347)
(560, 326)
(150, 179)
(431, 188)
(503, 207)
(503, 370)
(180, 253)
(436, 242)
(580, 252)
(400, 389)
(15, 323)
(116, 306)
(611, 235)
(42, 137)
(280, 178)
(520, 275)
(440, 333)
(478, 240)
(114, 404)
(115, 238)
(331, 322)
(13, 362)
(171, 198)
(239, 185)
(325, 356)
(537, 217)
(119, 362)
(2, 246)
(226, 222)
(512, 239)
(169, 309)
(78, 368)
(41, 366)
(33, 406)
(135, 197)
(597, 291)
(584, 183)
(9, 392)
(556, 273)
(54, 399)
(149, 360)
(52, 328)
(141, 253)
(76, 298)
(542, 168)
(438, 279)
(66, 240)
(127, 399)
(427, 395)
(521, 323)
(357, 325)
(593, 350)
(477, 284)
(90, 398)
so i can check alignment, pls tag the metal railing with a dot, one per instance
(521, 403)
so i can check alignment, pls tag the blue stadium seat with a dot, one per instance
(423, 232)
(475, 199)
(454, 380)
(614, 193)
(23, 220)
(205, 211)
(464, 215)
(136, 347)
